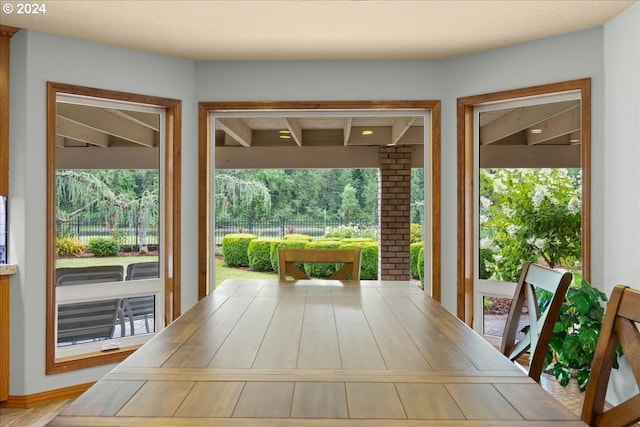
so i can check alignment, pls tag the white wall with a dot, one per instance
(621, 239)
(35, 59)
(621, 232)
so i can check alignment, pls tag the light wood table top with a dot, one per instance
(310, 353)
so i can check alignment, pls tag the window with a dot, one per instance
(112, 209)
(538, 137)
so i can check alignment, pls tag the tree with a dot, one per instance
(79, 192)
(530, 215)
(350, 208)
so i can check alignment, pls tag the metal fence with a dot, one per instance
(126, 234)
(278, 228)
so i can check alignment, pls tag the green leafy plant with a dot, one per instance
(69, 246)
(104, 246)
(235, 249)
(530, 214)
(576, 332)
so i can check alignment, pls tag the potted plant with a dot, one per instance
(576, 332)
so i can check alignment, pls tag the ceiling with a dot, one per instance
(230, 30)
(239, 30)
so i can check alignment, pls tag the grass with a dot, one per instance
(222, 272)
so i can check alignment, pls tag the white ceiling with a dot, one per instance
(239, 30)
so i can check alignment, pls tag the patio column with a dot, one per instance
(395, 210)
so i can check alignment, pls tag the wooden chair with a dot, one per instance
(541, 325)
(142, 307)
(619, 326)
(289, 257)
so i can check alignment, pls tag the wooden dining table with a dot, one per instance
(316, 353)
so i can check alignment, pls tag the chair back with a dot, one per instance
(619, 327)
(143, 270)
(142, 307)
(541, 324)
(89, 321)
(289, 257)
(87, 275)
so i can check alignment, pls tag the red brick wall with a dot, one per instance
(395, 210)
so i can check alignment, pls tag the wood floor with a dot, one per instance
(32, 417)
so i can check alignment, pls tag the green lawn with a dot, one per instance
(223, 273)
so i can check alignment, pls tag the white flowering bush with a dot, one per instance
(529, 215)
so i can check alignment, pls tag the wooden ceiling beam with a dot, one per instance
(347, 130)
(559, 125)
(522, 118)
(102, 120)
(400, 127)
(296, 131)
(237, 129)
(151, 121)
(71, 129)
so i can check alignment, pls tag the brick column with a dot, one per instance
(395, 210)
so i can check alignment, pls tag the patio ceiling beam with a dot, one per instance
(559, 125)
(520, 119)
(400, 127)
(70, 129)
(151, 121)
(296, 131)
(347, 130)
(237, 129)
(103, 120)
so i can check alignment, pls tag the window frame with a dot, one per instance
(170, 210)
(466, 178)
(206, 170)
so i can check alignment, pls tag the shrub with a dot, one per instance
(530, 215)
(104, 246)
(258, 254)
(369, 261)
(351, 231)
(69, 246)
(414, 258)
(234, 249)
(415, 233)
(294, 236)
(321, 270)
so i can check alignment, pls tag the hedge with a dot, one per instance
(322, 271)
(369, 262)
(234, 249)
(294, 236)
(104, 246)
(258, 253)
(414, 258)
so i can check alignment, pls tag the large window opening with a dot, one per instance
(111, 223)
(388, 139)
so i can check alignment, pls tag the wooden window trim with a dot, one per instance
(172, 181)
(465, 125)
(205, 168)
